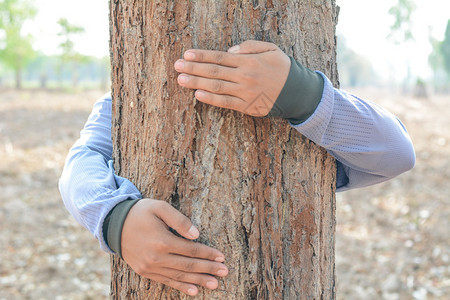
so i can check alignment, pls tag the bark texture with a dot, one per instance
(257, 190)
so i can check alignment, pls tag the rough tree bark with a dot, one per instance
(257, 190)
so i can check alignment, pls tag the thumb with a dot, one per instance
(252, 47)
(177, 221)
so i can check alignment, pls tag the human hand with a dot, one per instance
(248, 78)
(154, 252)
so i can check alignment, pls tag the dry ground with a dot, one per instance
(44, 253)
(392, 239)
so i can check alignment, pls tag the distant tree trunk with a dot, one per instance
(43, 80)
(18, 78)
(258, 191)
(103, 80)
(75, 77)
(60, 74)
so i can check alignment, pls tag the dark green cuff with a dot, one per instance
(113, 224)
(300, 95)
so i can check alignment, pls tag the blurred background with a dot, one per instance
(392, 239)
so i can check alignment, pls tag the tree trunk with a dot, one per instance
(257, 190)
(43, 80)
(75, 77)
(18, 73)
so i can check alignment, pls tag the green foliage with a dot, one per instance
(445, 49)
(16, 50)
(401, 30)
(67, 32)
(439, 59)
(18, 57)
(68, 53)
(435, 59)
(15, 12)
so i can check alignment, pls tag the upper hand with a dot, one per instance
(248, 78)
(154, 252)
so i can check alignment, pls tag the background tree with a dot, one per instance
(68, 54)
(436, 62)
(257, 190)
(439, 60)
(105, 70)
(41, 65)
(445, 49)
(16, 50)
(436, 59)
(401, 30)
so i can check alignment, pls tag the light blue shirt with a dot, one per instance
(370, 145)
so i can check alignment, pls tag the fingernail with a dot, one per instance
(199, 94)
(234, 49)
(192, 292)
(193, 232)
(183, 78)
(189, 55)
(179, 65)
(211, 285)
(220, 259)
(222, 272)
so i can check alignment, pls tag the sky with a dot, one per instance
(363, 24)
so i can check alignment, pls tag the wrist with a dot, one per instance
(113, 225)
(300, 96)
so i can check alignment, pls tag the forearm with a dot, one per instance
(113, 225)
(300, 96)
(90, 189)
(88, 185)
(371, 144)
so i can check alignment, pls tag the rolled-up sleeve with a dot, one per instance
(370, 144)
(88, 184)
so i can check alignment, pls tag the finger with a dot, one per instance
(176, 220)
(224, 101)
(211, 56)
(183, 287)
(194, 250)
(216, 86)
(206, 70)
(252, 47)
(204, 280)
(196, 265)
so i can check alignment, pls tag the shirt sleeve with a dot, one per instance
(88, 186)
(370, 144)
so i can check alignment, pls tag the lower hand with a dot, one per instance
(248, 78)
(154, 252)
